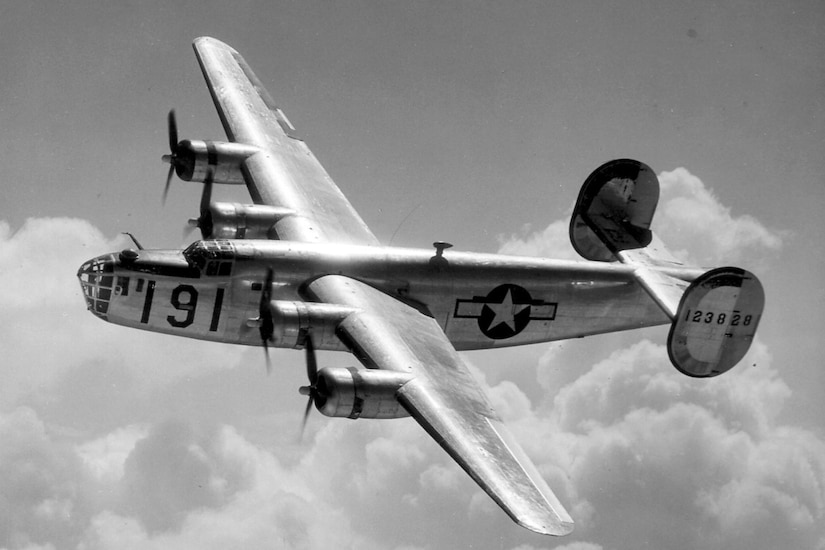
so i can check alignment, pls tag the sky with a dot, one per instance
(468, 122)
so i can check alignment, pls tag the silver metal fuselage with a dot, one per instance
(212, 290)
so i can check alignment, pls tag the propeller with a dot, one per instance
(204, 221)
(266, 325)
(312, 373)
(173, 157)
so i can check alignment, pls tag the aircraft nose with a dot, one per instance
(97, 282)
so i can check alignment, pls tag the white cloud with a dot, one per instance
(679, 462)
(42, 311)
(552, 242)
(579, 546)
(141, 441)
(104, 457)
(690, 220)
(47, 251)
(629, 446)
(45, 495)
(652, 456)
(47, 331)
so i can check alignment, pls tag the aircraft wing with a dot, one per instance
(384, 332)
(444, 398)
(284, 173)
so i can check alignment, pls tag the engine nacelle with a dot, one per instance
(227, 220)
(194, 159)
(359, 393)
(292, 321)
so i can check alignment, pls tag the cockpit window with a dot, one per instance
(213, 258)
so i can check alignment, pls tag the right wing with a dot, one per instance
(444, 398)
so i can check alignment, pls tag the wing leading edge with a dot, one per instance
(445, 399)
(284, 173)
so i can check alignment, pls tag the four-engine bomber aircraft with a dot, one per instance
(300, 269)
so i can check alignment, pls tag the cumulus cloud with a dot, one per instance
(45, 495)
(41, 303)
(551, 242)
(47, 331)
(113, 438)
(690, 219)
(679, 462)
(690, 214)
(640, 452)
(104, 458)
(672, 467)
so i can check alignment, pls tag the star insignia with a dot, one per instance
(505, 311)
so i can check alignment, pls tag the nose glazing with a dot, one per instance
(97, 282)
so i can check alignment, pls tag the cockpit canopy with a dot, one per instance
(212, 258)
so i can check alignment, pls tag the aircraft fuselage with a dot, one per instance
(212, 291)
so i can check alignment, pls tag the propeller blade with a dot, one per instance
(204, 220)
(188, 228)
(172, 157)
(168, 181)
(312, 362)
(268, 360)
(265, 315)
(306, 414)
(172, 125)
(266, 292)
(312, 374)
(206, 196)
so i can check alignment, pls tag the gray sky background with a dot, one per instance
(474, 123)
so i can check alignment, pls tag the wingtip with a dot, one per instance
(553, 522)
(544, 513)
(565, 528)
(555, 529)
(209, 41)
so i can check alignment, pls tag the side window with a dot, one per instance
(219, 268)
(122, 286)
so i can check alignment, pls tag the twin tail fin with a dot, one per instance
(714, 313)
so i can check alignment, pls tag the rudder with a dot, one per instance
(614, 210)
(714, 314)
(716, 322)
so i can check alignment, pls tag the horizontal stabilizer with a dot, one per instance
(716, 322)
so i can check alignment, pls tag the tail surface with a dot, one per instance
(714, 314)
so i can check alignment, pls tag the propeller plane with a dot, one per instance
(298, 268)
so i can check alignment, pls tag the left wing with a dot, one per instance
(284, 172)
(444, 398)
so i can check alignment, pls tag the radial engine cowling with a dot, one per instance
(359, 393)
(195, 159)
(226, 220)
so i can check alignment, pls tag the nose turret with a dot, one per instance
(97, 281)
